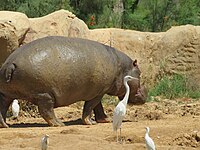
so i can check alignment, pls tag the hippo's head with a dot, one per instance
(138, 97)
(138, 93)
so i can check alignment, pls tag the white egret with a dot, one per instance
(15, 108)
(45, 142)
(149, 142)
(120, 109)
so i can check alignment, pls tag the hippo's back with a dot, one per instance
(69, 68)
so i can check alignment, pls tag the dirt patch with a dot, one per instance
(128, 139)
(187, 139)
(174, 125)
(162, 109)
(70, 131)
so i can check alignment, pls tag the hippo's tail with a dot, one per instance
(9, 72)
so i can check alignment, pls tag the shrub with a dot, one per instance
(175, 86)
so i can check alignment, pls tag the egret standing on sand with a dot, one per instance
(45, 142)
(15, 108)
(120, 109)
(149, 142)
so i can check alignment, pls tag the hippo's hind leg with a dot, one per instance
(4, 105)
(87, 110)
(46, 106)
(100, 116)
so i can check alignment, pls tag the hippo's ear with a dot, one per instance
(135, 63)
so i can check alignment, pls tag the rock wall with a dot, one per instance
(178, 51)
(174, 51)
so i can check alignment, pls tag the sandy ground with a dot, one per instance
(174, 125)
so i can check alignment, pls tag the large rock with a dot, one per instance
(61, 22)
(13, 27)
(8, 41)
(178, 51)
(18, 21)
(174, 51)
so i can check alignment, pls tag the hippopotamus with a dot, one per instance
(57, 71)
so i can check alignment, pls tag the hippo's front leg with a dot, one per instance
(87, 110)
(46, 106)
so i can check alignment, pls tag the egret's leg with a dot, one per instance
(117, 136)
(120, 134)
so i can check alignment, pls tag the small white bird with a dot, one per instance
(45, 142)
(15, 108)
(149, 142)
(120, 109)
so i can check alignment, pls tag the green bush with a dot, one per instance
(175, 86)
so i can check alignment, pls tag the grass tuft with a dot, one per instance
(175, 86)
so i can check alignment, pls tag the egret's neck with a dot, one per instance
(147, 132)
(125, 99)
(146, 135)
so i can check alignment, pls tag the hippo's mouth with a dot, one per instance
(139, 93)
(139, 97)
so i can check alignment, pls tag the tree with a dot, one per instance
(188, 12)
(160, 15)
(35, 8)
(142, 15)
(101, 10)
(135, 15)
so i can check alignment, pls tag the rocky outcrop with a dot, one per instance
(13, 27)
(178, 51)
(174, 51)
(62, 23)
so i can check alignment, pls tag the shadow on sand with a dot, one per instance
(27, 125)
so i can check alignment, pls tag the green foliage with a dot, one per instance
(175, 86)
(189, 12)
(35, 8)
(142, 15)
(160, 15)
(108, 18)
(137, 20)
(101, 10)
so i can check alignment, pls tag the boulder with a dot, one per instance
(18, 21)
(13, 27)
(62, 23)
(8, 41)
